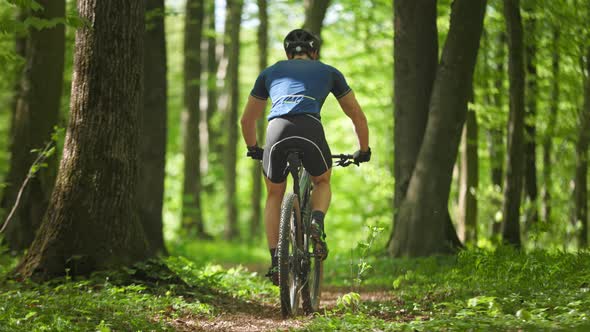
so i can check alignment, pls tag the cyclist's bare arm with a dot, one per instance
(253, 111)
(353, 110)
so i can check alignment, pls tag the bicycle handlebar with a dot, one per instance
(345, 160)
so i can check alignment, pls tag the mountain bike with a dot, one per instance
(300, 271)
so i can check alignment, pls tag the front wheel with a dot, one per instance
(290, 250)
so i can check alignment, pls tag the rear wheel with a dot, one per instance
(312, 285)
(290, 250)
(313, 267)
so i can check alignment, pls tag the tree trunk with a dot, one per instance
(315, 11)
(212, 66)
(260, 126)
(192, 217)
(469, 181)
(235, 13)
(548, 139)
(530, 178)
(425, 204)
(20, 48)
(515, 163)
(581, 181)
(36, 114)
(416, 56)
(150, 190)
(495, 134)
(92, 222)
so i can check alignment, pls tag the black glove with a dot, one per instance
(255, 152)
(362, 156)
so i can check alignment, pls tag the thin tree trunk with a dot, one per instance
(548, 139)
(192, 217)
(260, 126)
(530, 179)
(235, 13)
(495, 140)
(315, 11)
(425, 204)
(495, 135)
(92, 220)
(515, 164)
(469, 181)
(36, 114)
(581, 181)
(20, 48)
(153, 131)
(212, 64)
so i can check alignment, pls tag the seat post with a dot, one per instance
(294, 163)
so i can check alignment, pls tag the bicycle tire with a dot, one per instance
(312, 288)
(290, 247)
(312, 273)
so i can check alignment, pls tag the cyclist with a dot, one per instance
(297, 88)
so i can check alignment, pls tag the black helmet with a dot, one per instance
(300, 40)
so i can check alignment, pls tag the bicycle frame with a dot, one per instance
(305, 269)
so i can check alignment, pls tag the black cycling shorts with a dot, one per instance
(303, 132)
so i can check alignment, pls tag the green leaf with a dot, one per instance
(397, 282)
(30, 314)
(50, 152)
(523, 314)
(103, 327)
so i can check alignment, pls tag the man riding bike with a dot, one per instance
(297, 88)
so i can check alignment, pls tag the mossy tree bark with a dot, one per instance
(424, 206)
(150, 189)
(192, 216)
(92, 222)
(235, 18)
(513, 181)
(36, 114)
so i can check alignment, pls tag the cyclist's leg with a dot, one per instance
(273, 164)
(272, 210)
(320, 201)
(321, 194)
(318, 162)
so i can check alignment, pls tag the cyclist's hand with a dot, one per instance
(255, 152)
(362, 156)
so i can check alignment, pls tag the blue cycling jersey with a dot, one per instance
(299, 86)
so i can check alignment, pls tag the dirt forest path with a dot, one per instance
(256, 316)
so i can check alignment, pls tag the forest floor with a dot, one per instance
(262, 316)
(221, 289)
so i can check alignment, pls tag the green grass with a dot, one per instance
(475, 291)
(478, 290)
(146, 297)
